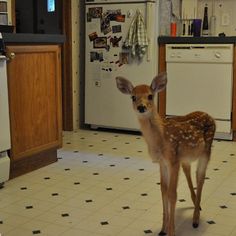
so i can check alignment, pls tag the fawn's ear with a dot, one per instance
(159, 82)
(124, 85)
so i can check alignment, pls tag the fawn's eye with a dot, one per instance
(150, 97)
(133, 98)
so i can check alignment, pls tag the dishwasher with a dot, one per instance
(200, 78)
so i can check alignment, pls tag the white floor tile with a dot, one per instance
(104, 183)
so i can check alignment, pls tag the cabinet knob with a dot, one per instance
(11, 56)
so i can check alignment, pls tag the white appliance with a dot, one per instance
(105, 58)
(200, 78)
(4, 120)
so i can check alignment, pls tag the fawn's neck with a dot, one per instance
(152, 130)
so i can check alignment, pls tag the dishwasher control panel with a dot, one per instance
(216, 53)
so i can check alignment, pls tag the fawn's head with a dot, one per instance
(142, 95)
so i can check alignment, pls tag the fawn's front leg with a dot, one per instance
(172, 197)
(164, 192)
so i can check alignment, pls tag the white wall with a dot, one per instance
(225, 12)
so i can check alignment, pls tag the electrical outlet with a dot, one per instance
(225, 19)
(97, 83)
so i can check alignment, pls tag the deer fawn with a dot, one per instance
(172, 142)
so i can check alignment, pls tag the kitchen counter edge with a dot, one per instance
(200, 40)
(33, 38)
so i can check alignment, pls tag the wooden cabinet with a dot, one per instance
(34, 80)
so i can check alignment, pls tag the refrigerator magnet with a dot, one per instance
(89, 18)
(116, 29)
(120, 18)
(93, 36)
(95, 12)
(112, 14)
(96, 56)
(124, 58)
(100, 42)
(105, 24)
(115, 41)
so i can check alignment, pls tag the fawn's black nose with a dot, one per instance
(141, 108)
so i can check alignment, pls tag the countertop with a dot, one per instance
(201, 40)
(33, 38)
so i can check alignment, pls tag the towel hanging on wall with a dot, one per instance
(137, 40)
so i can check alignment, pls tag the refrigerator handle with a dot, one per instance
(149, 19)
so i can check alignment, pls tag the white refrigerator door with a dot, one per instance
(105, 106)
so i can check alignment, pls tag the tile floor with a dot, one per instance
(105, 184)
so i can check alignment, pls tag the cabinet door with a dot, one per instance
(34, 79)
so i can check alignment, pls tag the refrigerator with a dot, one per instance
(107, 25)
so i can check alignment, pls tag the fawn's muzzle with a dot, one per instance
(141, 108)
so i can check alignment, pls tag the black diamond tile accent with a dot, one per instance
(232, 154)
(29, 207)
(127, 143)
(59, 158)
(112, 165)
(233, 194)
(144, 194)
(1, 222)
(55, 194)
(76, 183)
(36, 232)
(65, 215)
(216, 169)
(140, 151)
(95, 133)
(182, 200)
(141, 169)
(223, 207)
(116, 136)
(95, 173)
(104, 140)
(23, 188)
(127, 158)
(127, 178)
(89, 200)
(108, 189)
(46, 178)
(85, 161)
(158, 183)
(104, 223)
(90, 145)
(211, 222)
(82, 138)
(76, 151)
(68, 143)
(207, 178)
(147, 231)
(224, 161)
(126, 207)
(67, 169)
(114, 148)
(100, 154)
(138, 138)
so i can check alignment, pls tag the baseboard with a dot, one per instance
(34, 162)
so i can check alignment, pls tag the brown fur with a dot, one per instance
(172, 142)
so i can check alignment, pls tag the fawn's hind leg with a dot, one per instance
(187, 171)
(201, 173)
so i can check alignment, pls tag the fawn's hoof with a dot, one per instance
(195, 225)
(162, 233)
